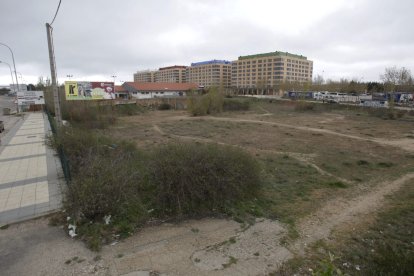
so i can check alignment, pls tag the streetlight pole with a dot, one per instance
(14, 64)
(11, 75)
(114, 77)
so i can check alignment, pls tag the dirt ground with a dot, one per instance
(372, 156)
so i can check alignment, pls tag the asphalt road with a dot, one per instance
(6, 101)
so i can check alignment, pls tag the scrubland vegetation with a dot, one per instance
(140, 167)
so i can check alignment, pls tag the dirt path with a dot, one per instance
(404, 143)
(303, 158)
(339, 211)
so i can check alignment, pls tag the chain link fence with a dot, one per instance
(62, 156)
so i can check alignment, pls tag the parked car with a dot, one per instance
(1, 126)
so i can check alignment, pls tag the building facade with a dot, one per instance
(212, 73)
(176, 73)
(144, 76)
(270, 69)
(146, 90)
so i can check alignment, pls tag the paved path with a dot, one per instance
(30, 174)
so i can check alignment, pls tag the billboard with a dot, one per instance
(84, 90)
(30, 97)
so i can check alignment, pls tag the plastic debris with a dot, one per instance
(357, 267)
(72, 233)
(107, 219)
(72, 230)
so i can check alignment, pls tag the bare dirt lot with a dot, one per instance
(324, 170)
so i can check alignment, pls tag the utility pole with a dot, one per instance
(56, 98)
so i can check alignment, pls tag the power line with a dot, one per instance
(57, 10)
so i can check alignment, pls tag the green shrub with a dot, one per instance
(89, 115)
(197, 105)
(116, 179)
(336, 184)
(304, 106)
(327, 268)
(390, 260)
(385, 164)
(77, 142)
(106, 176)
(92, 115)
(216, 101)
(192, 178)
(231, 104)
(210, 103)
(362, 163)
(164, 106)
(107, 183)
(389, 113)
(128, 109)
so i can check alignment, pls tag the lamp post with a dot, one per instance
(14, 64)
(114, 77)
(22, 80)
(69, 76)
(11, 74)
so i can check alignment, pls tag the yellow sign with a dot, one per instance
(71, 89)
(85, 90)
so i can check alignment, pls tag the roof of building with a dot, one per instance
(173, 67)
(272, 54)
(213, 61)
(145, 71)
(120, 88)
(161, 86)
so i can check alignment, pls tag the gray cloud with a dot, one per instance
(102, 38)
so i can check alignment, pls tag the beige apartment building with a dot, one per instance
(212, 73)
(144, 76)
(173, 74)
(270, 69)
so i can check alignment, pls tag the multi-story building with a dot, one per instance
(144, 76)
(270, 69)
(212, 73)
(176, 73)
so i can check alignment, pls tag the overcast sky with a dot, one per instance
(97, 39)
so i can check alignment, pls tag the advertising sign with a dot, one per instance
(83, 90)
(30, 97)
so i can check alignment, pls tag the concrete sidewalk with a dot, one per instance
(30, 173)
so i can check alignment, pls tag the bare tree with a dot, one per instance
(405, 76)
(318, 80)
(395, 76)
